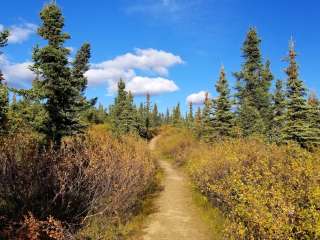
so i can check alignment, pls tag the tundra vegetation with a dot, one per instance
(72, 170)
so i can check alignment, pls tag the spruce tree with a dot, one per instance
(155, 116)
(198, 123)
(298, 128)
(63, 86)
(278, 113)
(223, 117)
(167, 118)
(147, 112)
(4, 93)
(314, 117)
(176, 115)
(251, 89)
(264, 106)
(130, 117)
(189, 117)
(207, 130)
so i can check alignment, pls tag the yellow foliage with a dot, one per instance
(266, 191)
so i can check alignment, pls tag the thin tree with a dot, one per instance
(223, 120)
(207, 130)
(298, 127)
(278, 113)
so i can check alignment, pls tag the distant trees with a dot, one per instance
(57, 107)
(281, 117)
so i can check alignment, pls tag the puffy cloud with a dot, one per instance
(20, 33)
(197, 98)
(153, 86)
(16, 74)
(151, 61)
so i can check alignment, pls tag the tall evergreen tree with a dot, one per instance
(207, 131)
(223, 116)
(176, 115)
(122, 113)
(156, 120)
(4, 93)
(198, 123)
(167, 117)
(278, 113)
(251, 92)
(298, 128)
(264, 106)
(314, 115)
(147, 112)
(189, 117)
(62, 85)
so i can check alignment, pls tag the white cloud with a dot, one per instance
(150, 61)
(16, 74)
(153, 86)
(20, 33)
(197, 98)
(153, 62)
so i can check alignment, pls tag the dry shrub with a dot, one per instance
(91, 175)
(266, 191)
(176, 144)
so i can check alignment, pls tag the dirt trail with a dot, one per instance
(177, 217)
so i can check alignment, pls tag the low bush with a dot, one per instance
(265, 191)
(91, 175)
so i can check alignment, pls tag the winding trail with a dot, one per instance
(177, 217)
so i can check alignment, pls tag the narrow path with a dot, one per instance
(177, 217)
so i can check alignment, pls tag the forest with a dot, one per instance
(74, 169)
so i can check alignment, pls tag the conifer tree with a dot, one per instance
(198, 123)
(147, 112)
(207, 130)
(130, 117)
(123, 113)
(264, 105)
(314, 116)
(167, 117)
(4, 93)
(155, 116)
(298, 128)
(189, 117)
(223, 117)
(278, 113)
(250, 86)
(176, 115)
(63, 86)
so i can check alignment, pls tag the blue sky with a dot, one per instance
(172, 48)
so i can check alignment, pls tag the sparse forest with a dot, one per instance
(74, 169)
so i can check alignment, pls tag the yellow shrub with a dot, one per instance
(266, 191)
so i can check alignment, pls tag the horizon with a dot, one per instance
(129, 40)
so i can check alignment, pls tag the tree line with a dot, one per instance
(56, 106)
(286, 114)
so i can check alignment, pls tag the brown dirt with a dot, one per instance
(177, 217)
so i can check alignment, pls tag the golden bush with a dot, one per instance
(266, 191)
